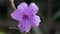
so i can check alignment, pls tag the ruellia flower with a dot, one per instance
(26, 15)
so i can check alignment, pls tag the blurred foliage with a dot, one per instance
(56, 15)
(56, 11)
(1, 32)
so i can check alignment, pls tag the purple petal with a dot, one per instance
(17, 15)
(33, 8)
(24, 26)
(35, 20)
(23, 7)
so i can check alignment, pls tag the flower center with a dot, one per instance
(25, 16)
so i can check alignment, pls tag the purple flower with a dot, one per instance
(26, 15)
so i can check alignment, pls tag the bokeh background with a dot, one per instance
(49, 12)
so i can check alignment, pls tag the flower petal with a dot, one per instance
(24, 26)
(33, 8)
(23, 7)
(17, 15)
(35, 20)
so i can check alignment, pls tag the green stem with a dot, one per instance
(12, 4)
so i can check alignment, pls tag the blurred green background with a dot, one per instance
(49, 12)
